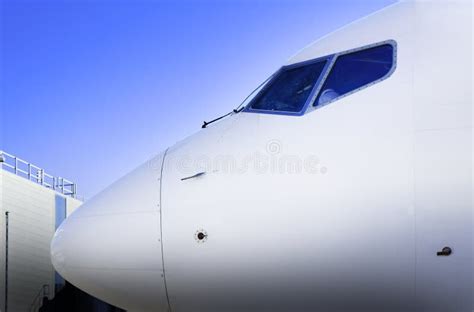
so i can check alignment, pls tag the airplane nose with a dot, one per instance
(111, 247)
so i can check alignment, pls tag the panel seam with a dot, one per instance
(161, 230)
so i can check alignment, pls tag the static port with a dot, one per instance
(200, 236)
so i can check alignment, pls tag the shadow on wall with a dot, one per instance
(72, 299)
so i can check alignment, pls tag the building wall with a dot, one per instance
(31, 210)
(2, 246)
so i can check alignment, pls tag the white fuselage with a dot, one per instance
(343, 208)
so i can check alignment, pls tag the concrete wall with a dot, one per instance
(31, 210)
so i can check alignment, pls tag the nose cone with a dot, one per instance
(111, 247)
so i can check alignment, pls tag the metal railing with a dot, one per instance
(38, 302)
(34, 173)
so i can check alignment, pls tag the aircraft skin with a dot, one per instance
(342, 208)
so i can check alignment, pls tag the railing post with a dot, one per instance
(16, 165)
(29, 171)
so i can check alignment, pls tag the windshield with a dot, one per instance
(290, 89)
(293, 87)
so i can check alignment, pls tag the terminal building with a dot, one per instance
(33, 204)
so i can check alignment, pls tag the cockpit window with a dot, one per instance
(355, 70)
(315, 83)
(290, 89)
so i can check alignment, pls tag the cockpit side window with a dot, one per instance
(355, 70)
(290, 89)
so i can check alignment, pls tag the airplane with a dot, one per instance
(343, 183)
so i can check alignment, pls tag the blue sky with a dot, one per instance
(91, 89)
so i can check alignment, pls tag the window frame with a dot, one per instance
(391, 42)
(328, 59)
(309, 105)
